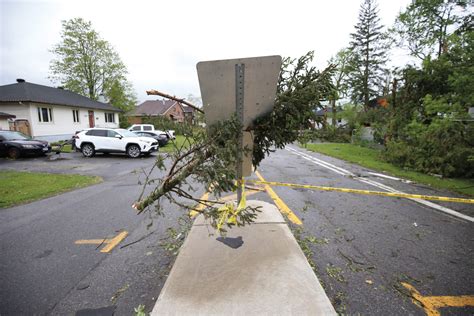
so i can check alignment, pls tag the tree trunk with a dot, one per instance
(366, 77)
(333, 106)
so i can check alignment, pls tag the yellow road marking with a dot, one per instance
(231, 197)
(234, 196)
(403, 195)
(114, 242)
(278, 202)
(432, 304)
(200, 207)
(109, 243)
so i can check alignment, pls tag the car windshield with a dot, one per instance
(126, 133)
(15, 136)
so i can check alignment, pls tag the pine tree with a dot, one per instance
(368, 55)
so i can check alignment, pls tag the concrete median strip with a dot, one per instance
(266, 274)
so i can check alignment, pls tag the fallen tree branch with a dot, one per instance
(164, 95)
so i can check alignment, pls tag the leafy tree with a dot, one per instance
(341, 89)
(88, 65)
(369, 47)
(431, 130)
(423, 28)
(121, 95)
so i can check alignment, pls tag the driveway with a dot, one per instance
(105, 166)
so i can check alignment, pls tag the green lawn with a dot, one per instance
(23, 187)
(370, 158)
(172, 144)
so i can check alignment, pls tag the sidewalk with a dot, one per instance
(267, 275)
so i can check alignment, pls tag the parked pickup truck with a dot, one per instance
(150, 128)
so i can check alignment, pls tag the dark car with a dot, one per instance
(160, 137)
(15, 144)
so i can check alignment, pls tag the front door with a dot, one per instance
(91, 119)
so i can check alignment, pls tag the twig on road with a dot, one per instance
(138, 240)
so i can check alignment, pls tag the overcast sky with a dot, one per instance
(160, 42)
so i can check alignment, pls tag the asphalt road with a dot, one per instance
(43, 271)
(366, 246)
(363, 247)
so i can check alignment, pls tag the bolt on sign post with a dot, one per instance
(244, 86)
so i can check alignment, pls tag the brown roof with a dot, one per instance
(152, 108)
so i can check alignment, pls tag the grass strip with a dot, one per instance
(371, 158)
(64, 149)
(170, 147)
(19, 187)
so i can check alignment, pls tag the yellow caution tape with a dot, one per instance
(243, 200)
(403, 195)
(228, 213)
(284, 209)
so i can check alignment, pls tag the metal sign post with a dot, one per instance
(239, 110)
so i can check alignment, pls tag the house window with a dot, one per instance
(75, 116)
(45, 115)
(109, 117)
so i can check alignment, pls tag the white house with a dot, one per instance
(52, 113)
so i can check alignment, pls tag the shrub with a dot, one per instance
(442, 147)
(328, 134)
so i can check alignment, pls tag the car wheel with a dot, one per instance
(88, 150)
(13, 153)
(133, 151)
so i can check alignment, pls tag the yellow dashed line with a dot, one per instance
(432, 304)
(278, 202)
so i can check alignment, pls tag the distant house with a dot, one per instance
(53, 113)
(378, 102)
(173, 110)
(188, 114)
(325, 114)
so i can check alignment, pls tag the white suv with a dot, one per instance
(108, 140)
